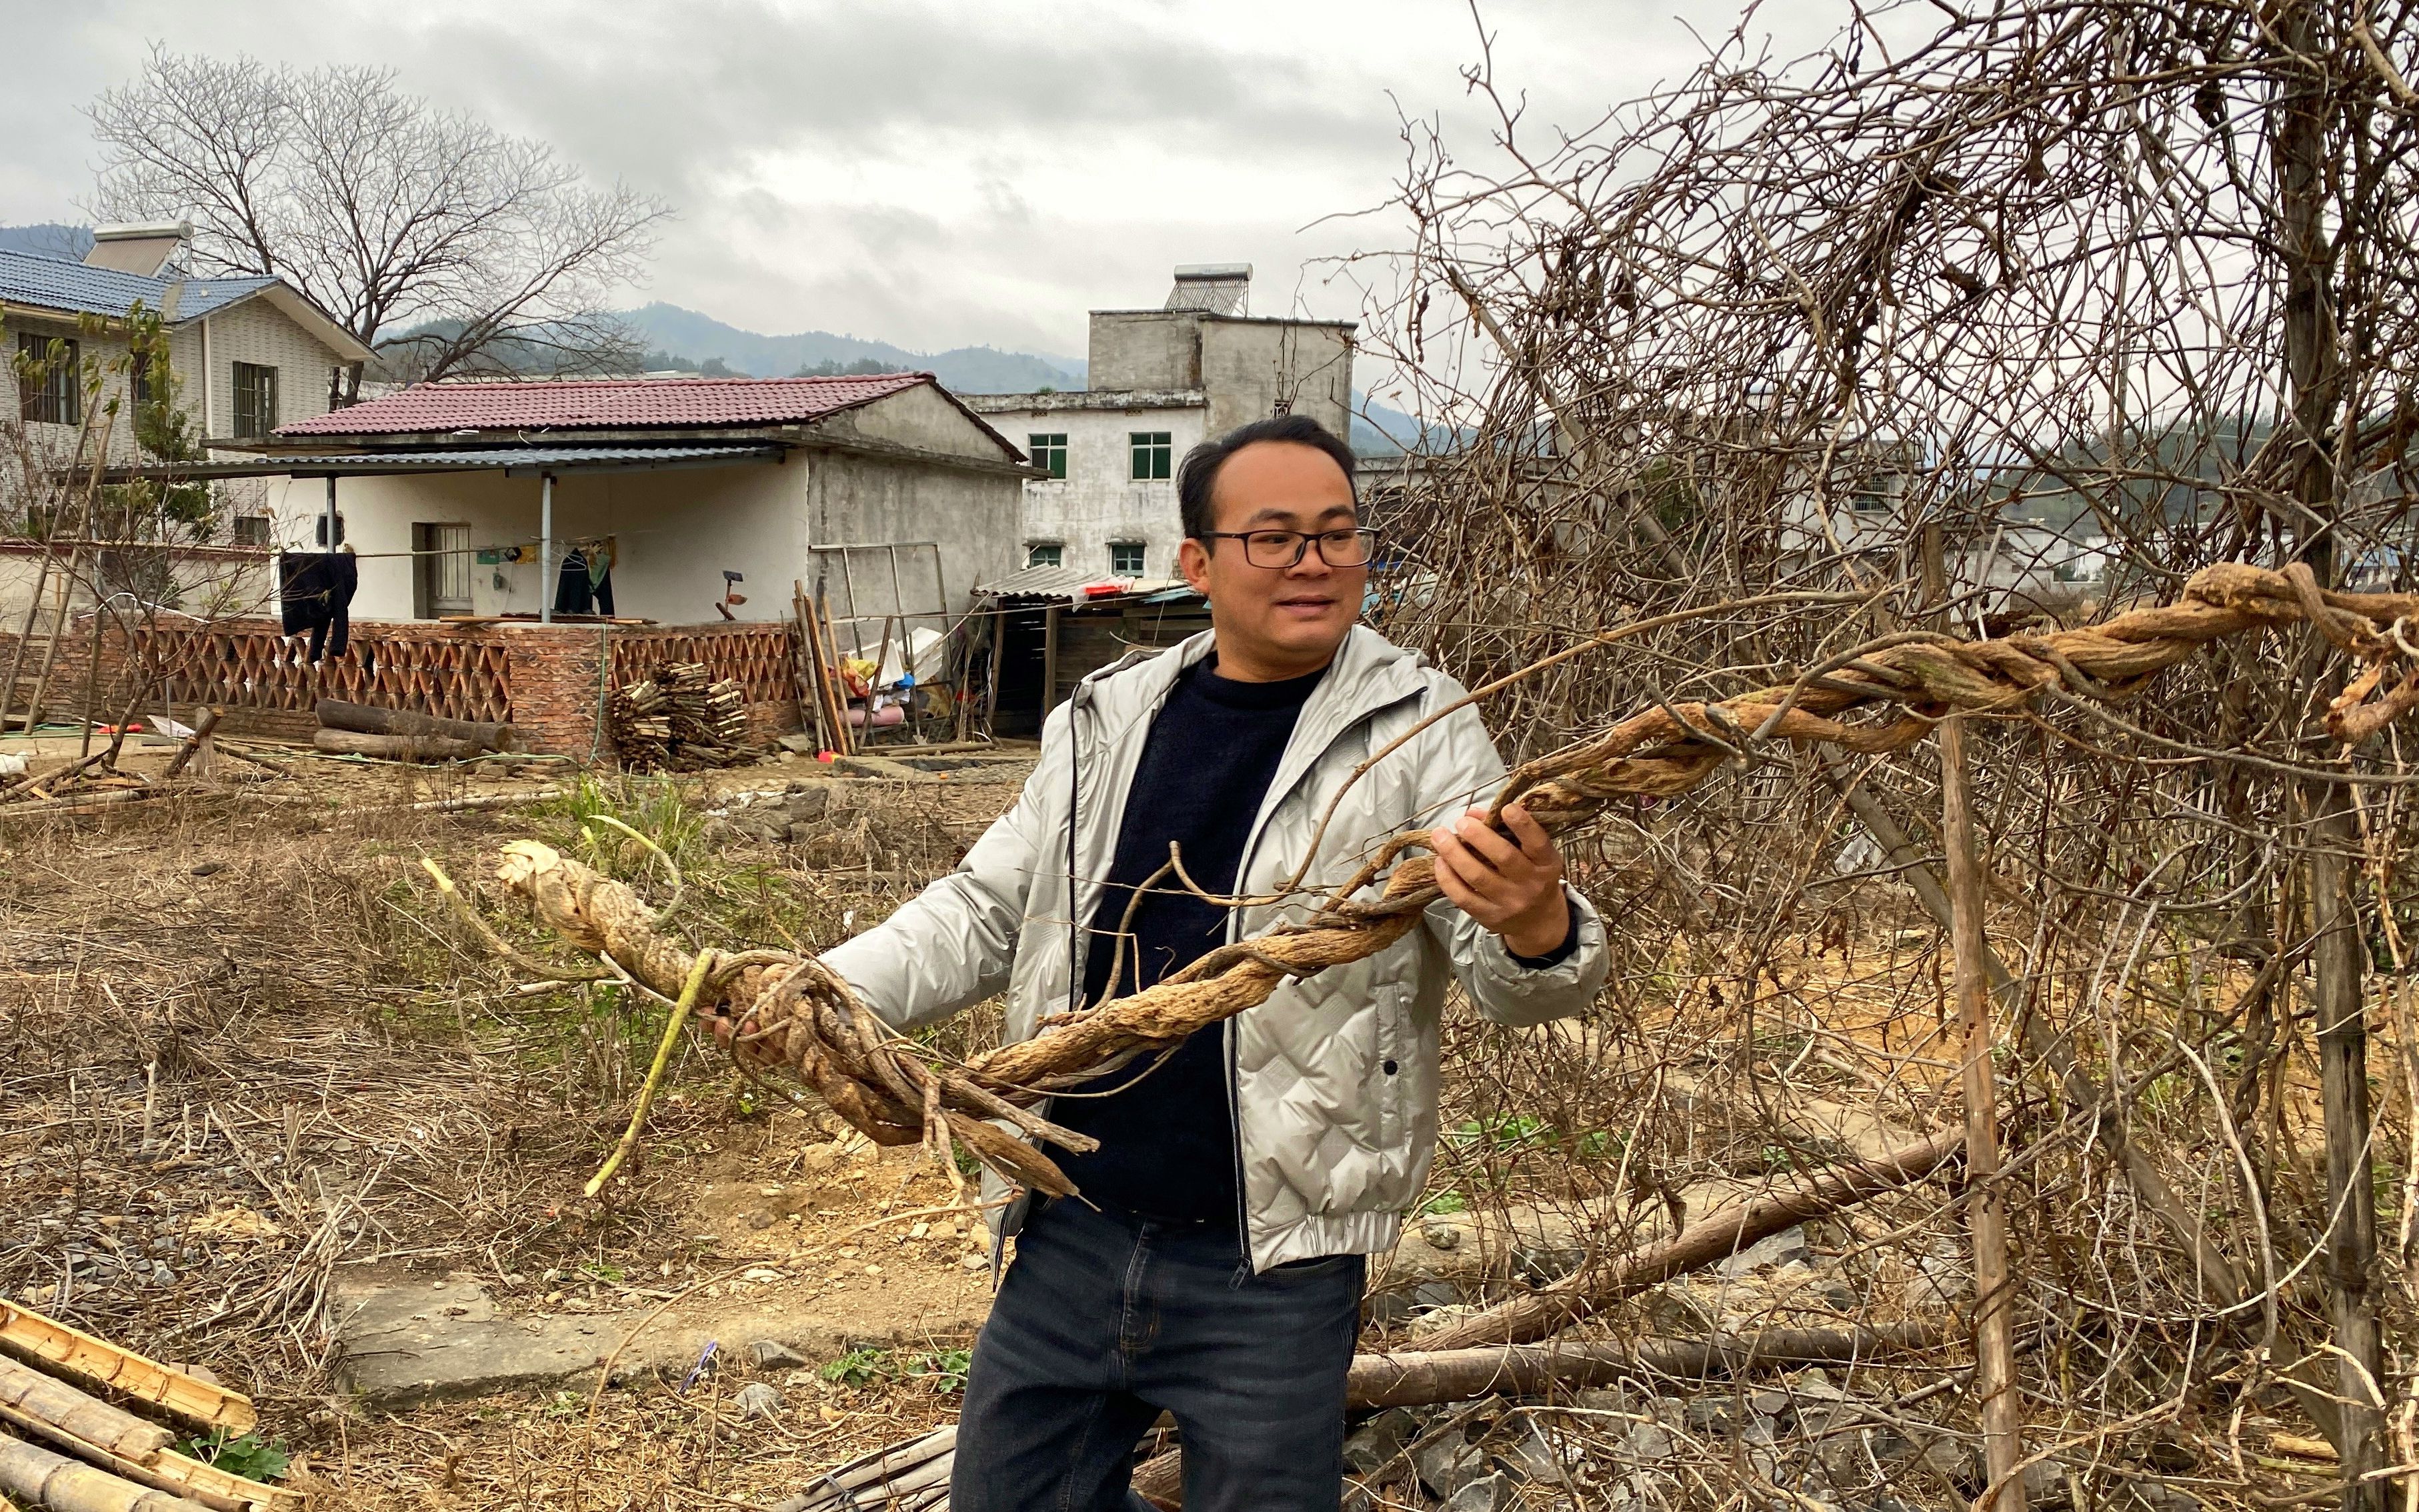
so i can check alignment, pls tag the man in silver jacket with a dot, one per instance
(1212, 1266)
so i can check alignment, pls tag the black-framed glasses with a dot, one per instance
(1281, 549)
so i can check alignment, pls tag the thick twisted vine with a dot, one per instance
(794, 1015)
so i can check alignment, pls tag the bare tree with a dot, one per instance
(443, 244)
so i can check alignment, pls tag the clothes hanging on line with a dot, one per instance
(572, 594)
(316, 593)
(600, 575)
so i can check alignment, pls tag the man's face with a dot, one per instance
(1277, 622)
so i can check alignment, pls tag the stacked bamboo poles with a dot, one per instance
(68, 1450)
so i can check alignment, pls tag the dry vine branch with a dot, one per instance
(796, 1016)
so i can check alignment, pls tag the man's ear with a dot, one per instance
(1192, 561)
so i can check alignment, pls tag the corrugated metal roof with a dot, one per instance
(431, 459)
(1070, 583)
(1047, 582)
(604, 403)
(57, 284)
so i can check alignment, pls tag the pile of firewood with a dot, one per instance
(679, 721)
(65, 1448)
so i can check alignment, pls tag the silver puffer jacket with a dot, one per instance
(1334, 1078)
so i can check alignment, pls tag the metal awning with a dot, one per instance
(523, 461)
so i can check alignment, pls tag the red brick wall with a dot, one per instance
(546, 678)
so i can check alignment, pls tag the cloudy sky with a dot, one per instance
(925, 172)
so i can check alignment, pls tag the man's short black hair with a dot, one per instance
(1198, 477)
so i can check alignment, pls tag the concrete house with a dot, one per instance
(1161, 381)
(881, 494)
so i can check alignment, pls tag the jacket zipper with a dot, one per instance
(1234, 927)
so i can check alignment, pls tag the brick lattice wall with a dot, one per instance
(546, 678)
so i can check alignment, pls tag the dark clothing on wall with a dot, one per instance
(1167, 1141)
(1104, 1320)
(600, 581)
(317, 595)
(572, 593)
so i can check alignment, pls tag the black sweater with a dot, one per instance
(1167, 1140)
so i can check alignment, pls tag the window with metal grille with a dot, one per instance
(1049, 451)
(252, 529)
(1125, 558)
(1154, 453)
(256, 399)
(138, 379)
(1045, 555)
(50, 386)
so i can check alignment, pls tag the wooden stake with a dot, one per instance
(1986, 1216)
(812, 716)
(197, 743)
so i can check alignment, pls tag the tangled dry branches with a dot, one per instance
(795, 1015)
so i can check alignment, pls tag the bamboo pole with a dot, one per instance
(41, 1478)
(697, 975)
(1986, 1216)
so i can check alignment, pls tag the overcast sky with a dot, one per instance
(931, 174)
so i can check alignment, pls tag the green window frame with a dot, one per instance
(1048, 449)
(1045, 553)
(1153, 454)
(1126, 559)
(256, 399)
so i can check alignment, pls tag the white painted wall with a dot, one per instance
(1098, 501)
(673, 532)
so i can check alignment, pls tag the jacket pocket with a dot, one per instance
(1392, 1072)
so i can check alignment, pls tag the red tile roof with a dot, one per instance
(604, 403)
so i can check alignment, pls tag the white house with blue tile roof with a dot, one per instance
(251, 354)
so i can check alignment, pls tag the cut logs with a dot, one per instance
(1418, 1378)
(394, 748)
(681, 719)
(363, 719)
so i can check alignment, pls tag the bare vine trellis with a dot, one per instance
(2077, 311)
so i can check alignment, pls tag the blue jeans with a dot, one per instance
(1103, 1322)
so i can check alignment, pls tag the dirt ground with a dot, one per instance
(258, 1090)
(252, 1068)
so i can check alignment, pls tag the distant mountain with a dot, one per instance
(691, 338)
(48, 240)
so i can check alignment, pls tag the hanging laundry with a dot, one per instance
(600, 574)
(572, 594)
(316, 593)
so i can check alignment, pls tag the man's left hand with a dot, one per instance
(1515, 890)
